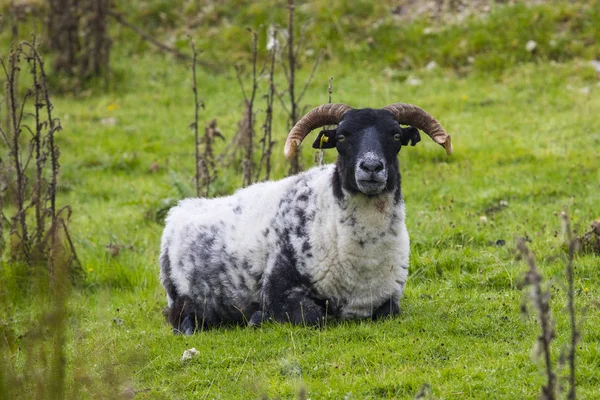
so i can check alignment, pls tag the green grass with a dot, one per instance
(526, 135)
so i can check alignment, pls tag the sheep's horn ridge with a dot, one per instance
(327, 114)
(408, 114)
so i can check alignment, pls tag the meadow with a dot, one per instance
(526, 142)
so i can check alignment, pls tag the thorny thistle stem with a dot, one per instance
(44, 245)
(39, 154)
(19, 223)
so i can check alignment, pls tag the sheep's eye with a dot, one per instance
(341, 138)
(397, 137)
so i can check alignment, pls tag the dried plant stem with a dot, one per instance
(294, 109)
(541, 301)
(197, 105)
(267, 142)
(321, 152)
(247, 123)
(295, 166)
(573, 246)
(39, 154)
(19, 221)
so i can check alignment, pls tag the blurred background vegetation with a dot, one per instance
(481, 36)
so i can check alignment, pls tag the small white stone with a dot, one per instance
(108, 121)
(413, 81)
(596, 65)
(483, 219)
(585, 90)
(189, 354)
(530, 45)
(431, 66)
(470, 59)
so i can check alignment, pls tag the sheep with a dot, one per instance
(330, 241)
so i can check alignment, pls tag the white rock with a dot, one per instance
(189, 354)
(431, 66)
(530, 45)
(596, 65)
(108, 121)
(483, 219)
(413, 81)
(585, 90)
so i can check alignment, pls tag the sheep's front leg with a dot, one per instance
(287, 294)
(390, 308)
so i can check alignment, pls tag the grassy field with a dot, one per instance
(526, 141)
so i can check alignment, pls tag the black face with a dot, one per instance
(368, 142)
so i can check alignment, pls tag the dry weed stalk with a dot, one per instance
(243, 141)
(35, 190)
(574, 244)
(321, 153)
(289, 67)
(267, 139)
(540, 298)
(541, 301)
(194, 125)
(20, 242)
(209, 169)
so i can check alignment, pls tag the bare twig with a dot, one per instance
(244, 138)
(146, 36)
(250, 103)
(311, 77)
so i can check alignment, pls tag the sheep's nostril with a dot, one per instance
(371, 165)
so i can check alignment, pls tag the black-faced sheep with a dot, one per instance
(331, 240)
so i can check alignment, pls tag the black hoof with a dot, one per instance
(256, 320)
(188, 325)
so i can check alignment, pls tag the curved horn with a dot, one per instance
(409, 114)
(323, 115)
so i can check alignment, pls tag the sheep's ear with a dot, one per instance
(325, 140)
(410, 135)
